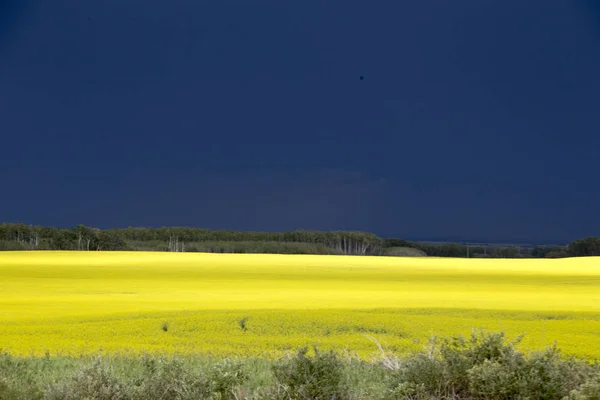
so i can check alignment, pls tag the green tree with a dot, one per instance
(87, 238)
(584, 247)
(110, 240)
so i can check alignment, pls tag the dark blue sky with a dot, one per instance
(476, 120)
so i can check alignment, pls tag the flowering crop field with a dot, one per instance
(75, 303)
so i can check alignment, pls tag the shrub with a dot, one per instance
(226, 376)
(557, 254)
(548, 375)
(94, 382)
(485, 367)
(7, 392)
(170, 379)
(442, 370)
(544, 375)
(6, 245)
(317, 378)
(242, 323)
(403, 252)
(409, 391)
(17, 379)
(590, 390)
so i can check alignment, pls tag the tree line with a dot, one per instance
(19, 236)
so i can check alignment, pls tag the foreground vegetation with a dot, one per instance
(482, 366)
(184, 239)
(74, 303)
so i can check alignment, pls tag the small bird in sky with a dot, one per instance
(362, 77)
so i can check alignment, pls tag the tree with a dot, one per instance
(87, 238)
(34, 236)
(60, 240)
(393, 242)
(585, 247)
(110, 240)
(550, 252)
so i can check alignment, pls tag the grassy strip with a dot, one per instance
(482, 366)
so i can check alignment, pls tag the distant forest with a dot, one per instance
(184, 239)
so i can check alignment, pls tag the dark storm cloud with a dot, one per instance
(12, 13)
(591, 9)
(475, 119)
(271, 200)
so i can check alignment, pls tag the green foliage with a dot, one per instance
(7, 392)
(259, 247)
(483, 366)
(94, 382)
(18, 379)
(28, 237)
(87, 238)
(151, 378)
(409, 391)
(191, 239)
(590, 390)
(403, 252)
(394, 242)
(486, 366)
(242, 323)
(557, 254)
(7, 245)
(110, 240)
(303, 377)
(444, 250)
(585, 247)
(550, 252)
(170, 379)
(61, 239)
(226, 376)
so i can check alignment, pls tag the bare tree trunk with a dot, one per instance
(34, 241)
(175, 245)
(363, 248)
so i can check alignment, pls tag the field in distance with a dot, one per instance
(76, 303)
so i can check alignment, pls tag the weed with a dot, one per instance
(304, 377)
(242, 324)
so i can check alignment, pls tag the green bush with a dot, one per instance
(93, 382)
(7, 392)
(226, 376)
(488, 367)
(153, 378)
(403, 252)
(543, 375)
(17, 379)
(6, 245)
(317, 378)
(170, 379)
(409, 391)
(590, 390)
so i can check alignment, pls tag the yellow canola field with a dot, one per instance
(223, 304)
